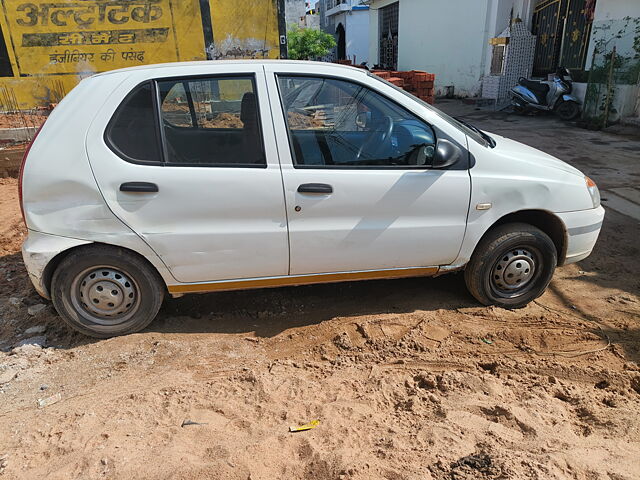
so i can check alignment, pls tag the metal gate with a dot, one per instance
(562, 28)
(388, 35)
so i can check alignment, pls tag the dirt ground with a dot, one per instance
(410, 379)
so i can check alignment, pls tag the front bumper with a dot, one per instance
(38, 250)
(583, 228)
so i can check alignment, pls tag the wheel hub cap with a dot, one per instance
(514, 270)
(107, 293)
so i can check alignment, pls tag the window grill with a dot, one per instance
(389, 36)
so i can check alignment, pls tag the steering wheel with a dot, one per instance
(374, 144)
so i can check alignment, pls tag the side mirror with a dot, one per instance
(363, 119)
(446, 154)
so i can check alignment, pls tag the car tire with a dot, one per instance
(104, 291)
(511, 266)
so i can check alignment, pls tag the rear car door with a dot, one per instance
(359, 192)
(188, 161)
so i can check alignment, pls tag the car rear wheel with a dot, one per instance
(512, 266)
(105, 291)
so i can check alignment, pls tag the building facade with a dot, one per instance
(348, 21)
(450, 39)
(47, 48)
(453, 40)
(302, 13)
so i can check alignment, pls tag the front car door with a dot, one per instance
(355, 159)
(201, 137)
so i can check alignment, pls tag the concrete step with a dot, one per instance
(630, 193)
(621, 205)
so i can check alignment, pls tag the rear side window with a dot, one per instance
(133, 132)
(211, 122)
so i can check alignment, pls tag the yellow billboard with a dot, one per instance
(46, 47)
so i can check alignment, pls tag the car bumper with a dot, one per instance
(583, 228)
(38, 250)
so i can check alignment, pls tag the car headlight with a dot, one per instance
(593, 191)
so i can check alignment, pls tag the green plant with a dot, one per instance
(308, 43)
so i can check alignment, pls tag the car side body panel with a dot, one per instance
(513, 177)
(375, 218)
(61, 196)
(229, 223)
(65, 206)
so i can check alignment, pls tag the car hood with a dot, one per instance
(520, 152)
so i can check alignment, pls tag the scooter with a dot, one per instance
(549, 95)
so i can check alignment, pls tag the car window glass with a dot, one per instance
(211, 121)
(452, 121)
(132, 132)
(337, 123)
(175, 107)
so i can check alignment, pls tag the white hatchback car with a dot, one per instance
(210, 176)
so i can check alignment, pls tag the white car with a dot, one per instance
(211, 176)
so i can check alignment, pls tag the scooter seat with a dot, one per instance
(540, 89)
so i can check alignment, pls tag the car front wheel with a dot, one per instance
(105, 291)
(512, 266)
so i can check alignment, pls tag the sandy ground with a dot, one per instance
(410, 379)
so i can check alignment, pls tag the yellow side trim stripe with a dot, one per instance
(301, 280)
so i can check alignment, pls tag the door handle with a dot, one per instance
(139, 187)
(321, 188)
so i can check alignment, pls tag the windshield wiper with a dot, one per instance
(490, 141)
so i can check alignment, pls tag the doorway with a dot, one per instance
(342, 42)
(563, 28)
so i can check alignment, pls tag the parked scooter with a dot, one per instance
(550, 95)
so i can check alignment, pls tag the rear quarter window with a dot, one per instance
(132, 132)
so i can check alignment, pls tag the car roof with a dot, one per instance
(173, 65)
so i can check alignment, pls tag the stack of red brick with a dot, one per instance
(416, 82)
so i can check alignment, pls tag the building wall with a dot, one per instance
(610, 11)
(294, 11)
(449, 41)
(355, 21)
(614, 25)
(499, 12)
(51, 46)
(357, 30)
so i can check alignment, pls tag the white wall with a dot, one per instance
(357, 30)
(611, 10)
(448, 38)
(610, 13)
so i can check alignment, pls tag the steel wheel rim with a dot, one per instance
(105, 295)
(514, 273)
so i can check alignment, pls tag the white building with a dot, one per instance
(348, 21)
(451, 39)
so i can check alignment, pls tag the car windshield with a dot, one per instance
(472, 132)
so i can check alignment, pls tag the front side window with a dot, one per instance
(340, 124)
(211, 121)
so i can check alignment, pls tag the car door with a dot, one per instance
(188, 161)
(359, 192)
